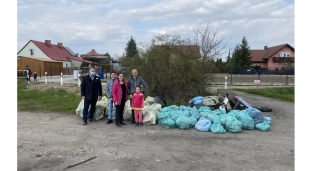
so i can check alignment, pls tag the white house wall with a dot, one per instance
(69, 64)
(76, 63)
(37, 52)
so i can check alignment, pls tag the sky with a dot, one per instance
(107, 25)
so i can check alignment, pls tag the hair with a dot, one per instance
(113, 72)
(120, 73)
(138, 87)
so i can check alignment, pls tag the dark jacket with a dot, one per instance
(132, 83)
(91, 89)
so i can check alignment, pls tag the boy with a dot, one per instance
(35, 76)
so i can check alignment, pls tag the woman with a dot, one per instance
(120, 97)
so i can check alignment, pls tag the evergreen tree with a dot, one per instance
(131, 49)
(241, 56)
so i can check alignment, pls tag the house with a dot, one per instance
(102, 60)
(55, 52)
(274, 58)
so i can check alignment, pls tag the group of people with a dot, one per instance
(28, 74)
(117, 90)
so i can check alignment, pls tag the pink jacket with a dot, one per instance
(137, 100)
(117, 91)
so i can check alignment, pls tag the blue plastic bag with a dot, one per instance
(203, 125)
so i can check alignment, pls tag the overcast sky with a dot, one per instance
(107, 25)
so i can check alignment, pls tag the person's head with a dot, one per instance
(113, 75)
(137, 89)
(134, 73)
(120, 76)
(92, 71)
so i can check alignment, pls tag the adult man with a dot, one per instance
(134, 81)
(29, 73)
(108, 90)
(91, 91)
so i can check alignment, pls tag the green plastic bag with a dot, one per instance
(183, 122)
(217, 128)
(168, 123)
(264, 126)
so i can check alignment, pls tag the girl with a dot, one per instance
(119, 98)
(137, 105)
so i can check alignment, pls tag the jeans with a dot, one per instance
(86, 105)
(111, 110)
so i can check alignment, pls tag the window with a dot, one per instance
(284, 54)
(31, 52)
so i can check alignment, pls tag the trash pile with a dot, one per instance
(211, 113)
(150, 110)
(100, 111)
(218, 121)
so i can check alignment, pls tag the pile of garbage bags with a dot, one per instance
(201, 117)
(100, 111)
(217, 121)
(150, 111)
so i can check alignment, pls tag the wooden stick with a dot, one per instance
(81, 162)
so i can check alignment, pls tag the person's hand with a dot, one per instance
(130, 96)
(110, 98)
(116, 103)
(82, 97)
(100, 97)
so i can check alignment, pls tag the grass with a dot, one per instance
(282, 93)
(48, 100)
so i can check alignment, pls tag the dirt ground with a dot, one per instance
(54, 141)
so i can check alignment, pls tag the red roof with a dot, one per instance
(92, 53)
(55, 52)
(262, 55)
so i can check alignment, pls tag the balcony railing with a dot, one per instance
(283, 59)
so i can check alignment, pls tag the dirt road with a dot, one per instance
(53, 141)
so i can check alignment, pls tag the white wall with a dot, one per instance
(76, 63)
(68, 64)
(37, 52)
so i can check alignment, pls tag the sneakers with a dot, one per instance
(119, 125)
(122, 123)
(141, 124)
(109, 121)
(136, 124)
(84, 123)
(91, 120)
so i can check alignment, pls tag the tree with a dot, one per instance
(177, 68)
(241, 56)
(131, 49)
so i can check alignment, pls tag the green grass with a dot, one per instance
(48, 100)
(282, 93)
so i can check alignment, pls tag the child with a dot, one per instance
(35, 76)
(138, 104)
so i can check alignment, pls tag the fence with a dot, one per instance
(260, 71)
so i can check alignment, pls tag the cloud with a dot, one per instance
(107, 25)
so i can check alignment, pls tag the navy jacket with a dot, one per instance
(91, 89)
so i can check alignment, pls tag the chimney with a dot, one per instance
(265, 47)
(60, 44)
(48, 42)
